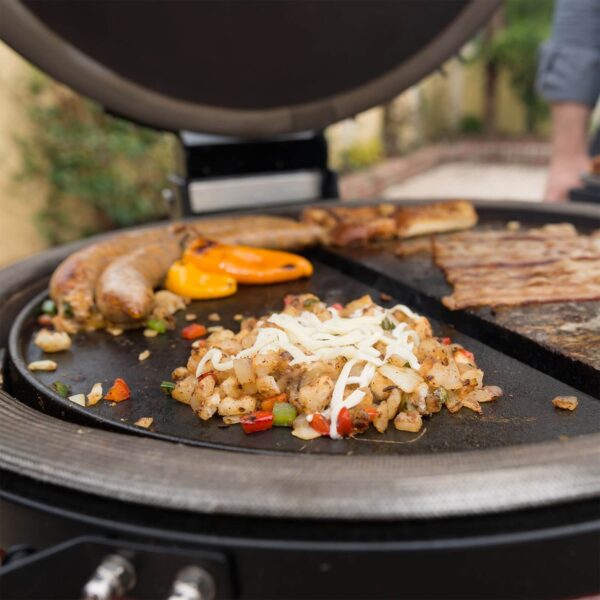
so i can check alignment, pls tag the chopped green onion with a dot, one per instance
(61, 388)
(387, 325)
(157, 325)
(67, 310)
(167, 387)
(284, 414)
(49, 307)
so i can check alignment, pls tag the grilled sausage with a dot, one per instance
(277, 233)
(73, 282)
(124, 292)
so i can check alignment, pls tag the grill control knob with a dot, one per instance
(113, 578)
(193, 583)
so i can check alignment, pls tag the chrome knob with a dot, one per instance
(193, 583)
(113, 578)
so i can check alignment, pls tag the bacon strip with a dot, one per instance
(550, 264)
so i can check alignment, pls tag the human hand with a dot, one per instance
(563, 175)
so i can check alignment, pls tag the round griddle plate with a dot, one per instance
(525, 415)
(522, 451)
(251, 68)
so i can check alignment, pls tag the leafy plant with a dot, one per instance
(514, 49)
(99, 172)
(361, 154)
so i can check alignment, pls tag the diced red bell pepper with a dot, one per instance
(119, 391)
(261, 420)
(320, 423)
(337, 306)
(446, 341)
(193, 331)
(344, 422)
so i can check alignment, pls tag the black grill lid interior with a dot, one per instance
(240, 67)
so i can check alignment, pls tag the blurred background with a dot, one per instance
(69, 170)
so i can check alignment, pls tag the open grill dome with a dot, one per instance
(240, 68)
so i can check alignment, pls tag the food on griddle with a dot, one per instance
(565, 402)
(73, 283)
(595, 165)
(144, 422)
(494, 268)
(355, 225)
(189, 281)
(52, 341)
(329, 370)
(246, 264)
(42, 365)
(119, 391)
(111, 282)
(125, 289)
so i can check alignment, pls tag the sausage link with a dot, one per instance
(73, 282)
(124, 292)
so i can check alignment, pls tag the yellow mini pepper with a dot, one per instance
(245, 264)
(186, 279)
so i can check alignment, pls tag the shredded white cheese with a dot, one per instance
(308, 339)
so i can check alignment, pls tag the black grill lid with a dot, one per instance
(231, 67)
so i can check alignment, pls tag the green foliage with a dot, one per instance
(515, 50)
(100, 172)
(470, 125)
(361, 155)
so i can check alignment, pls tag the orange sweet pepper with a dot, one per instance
(186, 279)
(245, 264)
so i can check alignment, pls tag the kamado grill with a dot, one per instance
(505, 504)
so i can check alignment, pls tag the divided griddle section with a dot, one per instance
(524, 415)
(560, 339)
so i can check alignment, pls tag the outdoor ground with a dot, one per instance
(473, 181)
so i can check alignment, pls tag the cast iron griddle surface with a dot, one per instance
(524, 415)
(562, 338)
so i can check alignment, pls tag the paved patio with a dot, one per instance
(473, 181)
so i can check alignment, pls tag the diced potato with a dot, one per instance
(42, 365)
(393, 403)
(231, 387)
(380, 386)
(565, 402)
(265, 364)
(205, 406)
(205, 387)
(184, 388)
(381, 420)
(315, 396)
(408, 421)
(144, 422)
(267, 386)
(236, 406)
(52, 341)
(181, 373)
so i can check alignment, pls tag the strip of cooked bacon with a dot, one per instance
(500, 268)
